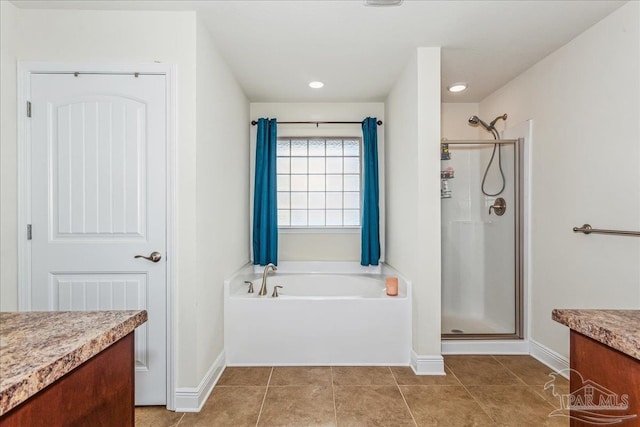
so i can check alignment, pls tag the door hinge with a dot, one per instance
(29, 232)
(28, 108)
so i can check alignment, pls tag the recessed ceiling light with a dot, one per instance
(316, 85)
(382, 2)
(457, 87)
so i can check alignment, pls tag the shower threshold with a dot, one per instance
(458, 327)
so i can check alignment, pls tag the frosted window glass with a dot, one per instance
(299, 147)
(351, 147)
(316, 217)
(334, 165)
(352, 183)
(334, 200)
(282, 165)
(316, 148)
(298, 182)
(283, 200)
(334, 147)
(299, 200)
(334, 217)
(334, 182)
(351, 217)
(316, 165)
(316, 200)
(284, 217)
(298, 217)
(284, 183)
(351, 200)
(316, 182)
(283, 147)
(299, 165)
(351, 165)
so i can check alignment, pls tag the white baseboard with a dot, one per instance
(191, 399)
(485, 347)
(230, 365)
(427, 365)
(550, 358)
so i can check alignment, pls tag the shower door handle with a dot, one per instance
(499, 206)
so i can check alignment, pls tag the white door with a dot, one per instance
(98, 199)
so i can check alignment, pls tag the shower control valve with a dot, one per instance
(499, 207)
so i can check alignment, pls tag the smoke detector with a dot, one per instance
(382, 2)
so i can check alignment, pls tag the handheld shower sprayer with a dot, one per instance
(475, 121)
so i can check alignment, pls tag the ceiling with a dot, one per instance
(275, 48)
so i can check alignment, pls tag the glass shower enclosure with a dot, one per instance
(481, 202)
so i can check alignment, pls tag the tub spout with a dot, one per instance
(263, 288)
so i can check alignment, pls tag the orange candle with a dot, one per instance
(392, 286)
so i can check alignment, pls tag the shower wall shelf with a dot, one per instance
(445, 176)
(444, 152)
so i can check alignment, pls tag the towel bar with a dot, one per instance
(587, 229)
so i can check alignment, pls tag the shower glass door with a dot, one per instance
(481, 194)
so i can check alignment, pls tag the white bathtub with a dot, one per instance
(320, 318)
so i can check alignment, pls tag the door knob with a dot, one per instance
(153, 257)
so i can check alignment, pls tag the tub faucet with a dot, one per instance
(250, 291)
(263, 288)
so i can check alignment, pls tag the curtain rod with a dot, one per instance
(379, 122)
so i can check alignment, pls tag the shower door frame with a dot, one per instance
(518, 145)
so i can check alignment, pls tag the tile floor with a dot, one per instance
(478, 391)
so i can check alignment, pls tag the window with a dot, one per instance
(318, 182)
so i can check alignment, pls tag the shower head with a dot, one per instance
(475, 120)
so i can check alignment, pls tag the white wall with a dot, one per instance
(401, 183)
(584, 100)
(114, 36)
(8, 174)
(210, 218)
(454, 120)
(323, 246)
(428, 296)
(74, 36)
(413, 191)
(222, 195)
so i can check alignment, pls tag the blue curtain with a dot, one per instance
(370, 232)
(265, 213)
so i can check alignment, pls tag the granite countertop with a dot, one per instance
(618, 329)
(37, 348)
